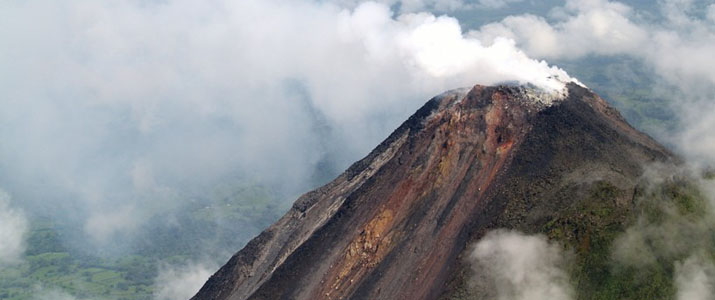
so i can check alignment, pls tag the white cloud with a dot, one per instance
(694, 279)
(181, 282)
(52, 294)
(496, 3)
(13, 229)
(521, 267)
(434, 5)
(697, 139)
(678, 47)
(146, 104)
(104, 225)
(585, 27)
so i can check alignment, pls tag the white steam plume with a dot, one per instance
(13, 228)
(144, 105)
(521, 267)
(680, 42)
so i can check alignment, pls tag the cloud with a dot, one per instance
(181, 282)
(697, 140)
(694, 279)
(582, 28)
(51, 294)
(143, 105)
(673, 230)
(675, 233)
(103, 225)
(434, 5)
(521, 267)
(13, 229)
(677, 45)
(496, 3)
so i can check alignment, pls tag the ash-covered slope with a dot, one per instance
(397, 224)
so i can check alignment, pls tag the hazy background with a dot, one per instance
(157, 137)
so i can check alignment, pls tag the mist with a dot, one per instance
(52, 294)
(435, 5)
(680, 35)
(509, 265)
(118, 112)
(13, 228)
(695, 278)
(681, 41)
(117, 116)
(665, 232)
(182, 282)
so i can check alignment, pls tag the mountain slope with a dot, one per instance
(397, 223)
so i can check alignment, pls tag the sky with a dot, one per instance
(116, 112)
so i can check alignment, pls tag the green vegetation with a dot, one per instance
(630, 252)
(79, 276)
(215, 226)
(709, 175)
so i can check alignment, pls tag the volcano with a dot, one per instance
(399, 223)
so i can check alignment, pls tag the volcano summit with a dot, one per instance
(399, 224)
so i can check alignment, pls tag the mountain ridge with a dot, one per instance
(397, 223)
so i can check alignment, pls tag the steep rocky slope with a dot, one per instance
(397, 224)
